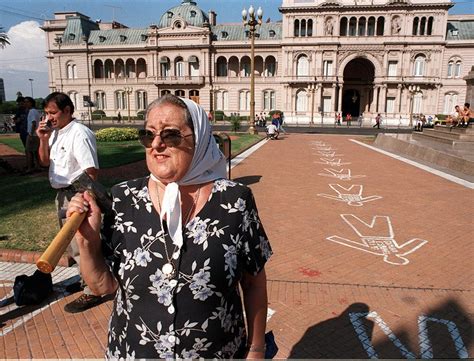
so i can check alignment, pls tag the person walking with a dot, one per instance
(20, 119)
(378, 119)
(32, 141)
(69, 149)
(119, 117)
(185, 251)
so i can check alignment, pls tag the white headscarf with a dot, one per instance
(207, 165)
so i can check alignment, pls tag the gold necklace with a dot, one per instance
(168, 268)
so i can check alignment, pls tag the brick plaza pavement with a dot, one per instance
(378, 264)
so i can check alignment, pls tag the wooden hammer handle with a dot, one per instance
(51, 256)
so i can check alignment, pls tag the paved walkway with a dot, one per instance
(373, 258)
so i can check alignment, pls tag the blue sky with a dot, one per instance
(25, 58)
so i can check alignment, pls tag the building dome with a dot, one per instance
(188, 11)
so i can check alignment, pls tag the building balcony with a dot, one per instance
(420, 80)
(179, 80)
(119, 81)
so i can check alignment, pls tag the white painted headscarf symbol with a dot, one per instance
(208, 164)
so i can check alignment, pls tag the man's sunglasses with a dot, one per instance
(171, 137)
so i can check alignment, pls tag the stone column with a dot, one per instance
(339, 99)
(382, 98)
(399, 98)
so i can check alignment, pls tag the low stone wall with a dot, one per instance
(403, 145)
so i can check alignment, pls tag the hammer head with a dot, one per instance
(84, 183)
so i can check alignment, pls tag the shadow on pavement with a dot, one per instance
(334, 338)
(444, 332)
(12, 311)
(247, 180)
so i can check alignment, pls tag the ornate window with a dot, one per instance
(179, 66)
(165, 67)
(301, 101)
(222, 100)
(302, 66)
(457, 69)
(392, 68)
(450, 69)
(419, 66)
(71, 71)
(141, 99)
(269, 102)
(450, 101)
(120, 100)
(327, 67)
(390, 107)
(221, 66)
(244, 100)
(418, 103)
(100, 100)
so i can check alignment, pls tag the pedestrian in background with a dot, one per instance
(69, 149)
(32, 140)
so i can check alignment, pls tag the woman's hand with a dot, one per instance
(88, 234)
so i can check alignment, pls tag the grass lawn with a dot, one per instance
(27, 211)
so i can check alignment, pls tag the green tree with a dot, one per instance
(3, 38)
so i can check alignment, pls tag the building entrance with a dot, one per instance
(358, 90)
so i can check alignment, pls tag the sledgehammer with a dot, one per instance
(50, 257)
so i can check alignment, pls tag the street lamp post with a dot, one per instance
(129, 91)
(252, 22)
(31, 85)
(413, 89)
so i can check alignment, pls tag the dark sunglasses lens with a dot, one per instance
(171, 137)
(145, 137)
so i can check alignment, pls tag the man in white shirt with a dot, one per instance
(32, 141)
(272, 131)
(69, 149)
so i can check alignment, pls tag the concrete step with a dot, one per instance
(454, 144)
(459, 130)
(406, 145)
(450, 133)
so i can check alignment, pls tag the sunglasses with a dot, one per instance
(171, 137)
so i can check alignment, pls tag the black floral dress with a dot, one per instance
(196, 312)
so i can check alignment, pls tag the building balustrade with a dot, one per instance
(182, 80)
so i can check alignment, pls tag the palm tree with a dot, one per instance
(3, 38)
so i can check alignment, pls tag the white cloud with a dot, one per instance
(27, 49)
(24, 59)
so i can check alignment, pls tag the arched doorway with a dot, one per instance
(357, 93)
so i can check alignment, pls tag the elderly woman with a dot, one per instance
(179, 244)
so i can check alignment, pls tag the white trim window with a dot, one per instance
(302, 66)
(244, 100)
(71, 71)
(392, 68)
(419, 66)
(327, 104)
(457, 69)
(418, 103)
(222, 100)
(269, 100)
(301, 101)
(450, 101)
(450, 69)
(179, 68)
(390, 107)
(327, 68)
(142, 99)
(120, 100)
(100, 100)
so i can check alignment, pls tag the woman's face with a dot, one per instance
(169, 164)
